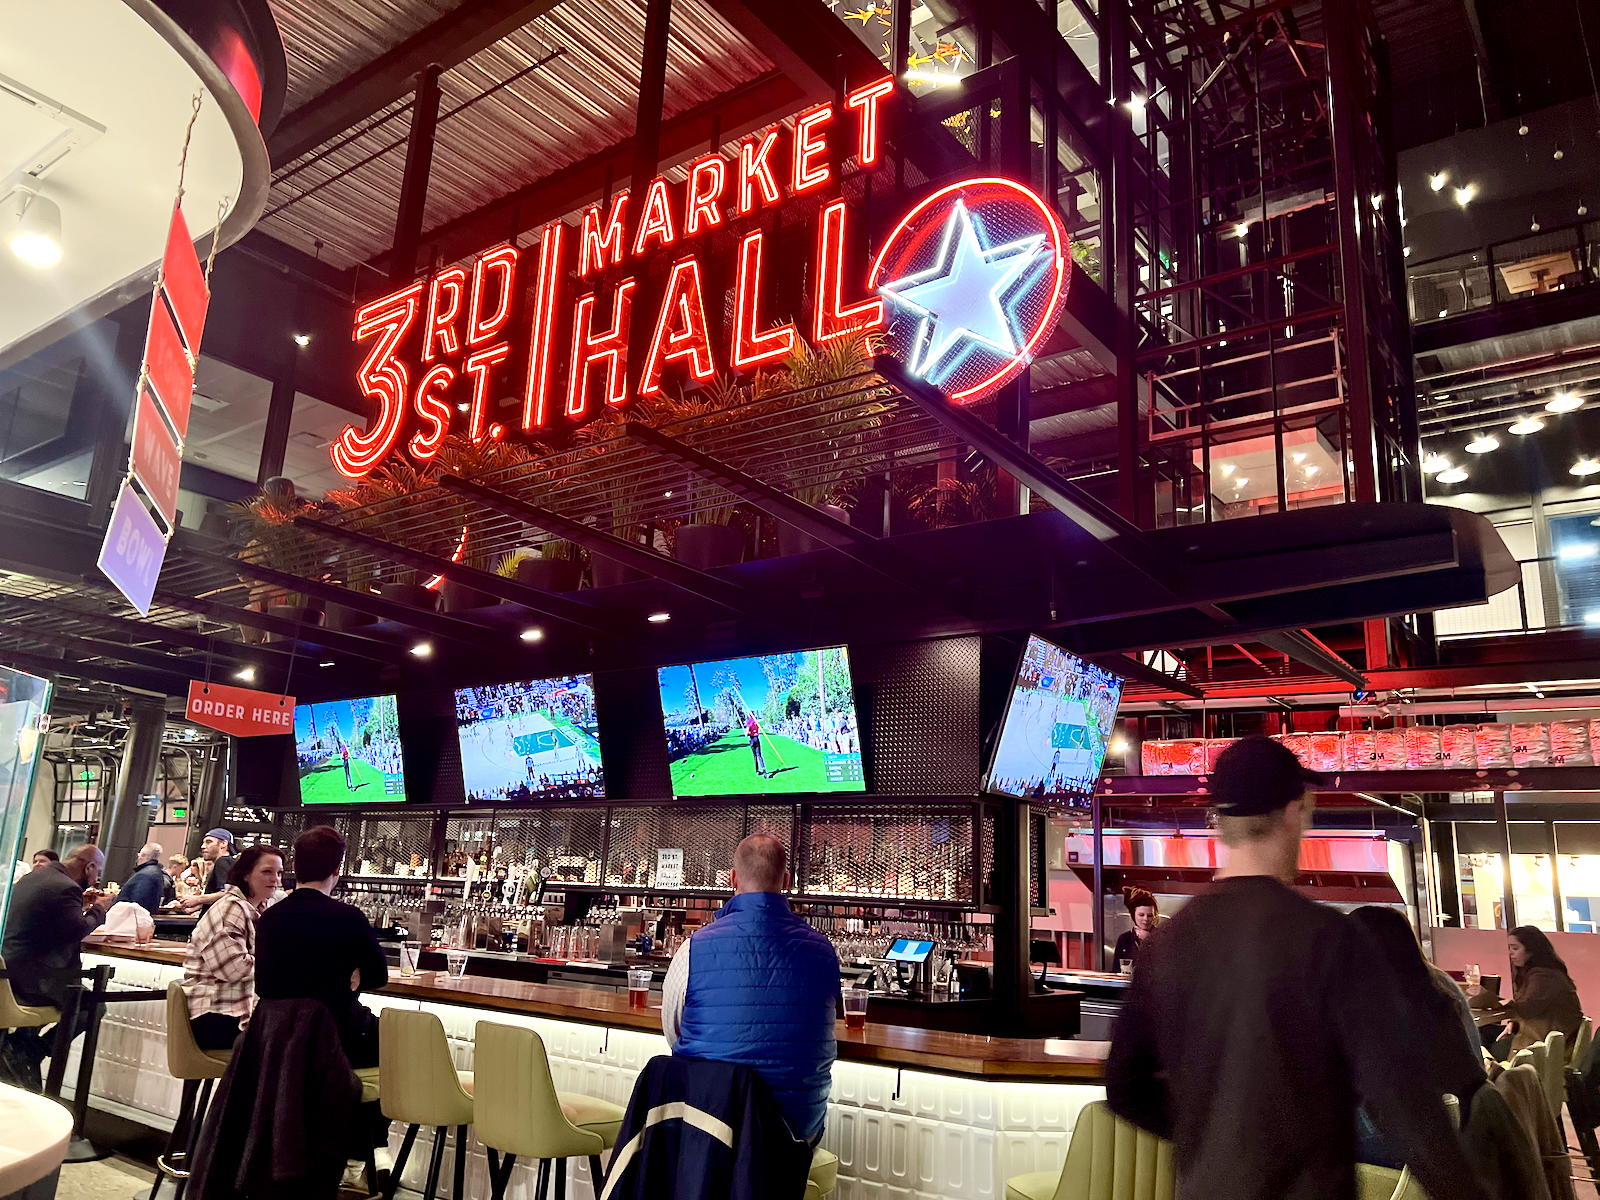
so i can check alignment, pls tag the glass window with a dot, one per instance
(311, 432)
(228, 421)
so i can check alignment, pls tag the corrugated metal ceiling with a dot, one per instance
(329, 40)
(579, 102)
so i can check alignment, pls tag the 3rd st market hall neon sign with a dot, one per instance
(975, 305)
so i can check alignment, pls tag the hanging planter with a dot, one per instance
(705, 546)
(793, 541)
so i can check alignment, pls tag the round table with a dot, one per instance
(34, 1132)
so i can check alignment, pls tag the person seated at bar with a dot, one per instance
(219, 972)
(145, 886)
(43, 858)
(1141, 907)
(216, 848)
(1543, 996)
(310, 946)
(1436, 1018)
(759, 986)
(52, 910)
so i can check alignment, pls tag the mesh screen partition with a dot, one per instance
(707, 836)
(390, 846)
(774, 820)
(914, 851)
(569, 840)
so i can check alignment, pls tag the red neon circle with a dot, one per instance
(917, 229)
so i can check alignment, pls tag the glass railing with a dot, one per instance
(1510, 272)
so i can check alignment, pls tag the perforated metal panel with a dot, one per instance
(566, 839)
(918, 707)
(707, 836)
(390, 846)
(986, 835)
(774, 820)
(912, 851)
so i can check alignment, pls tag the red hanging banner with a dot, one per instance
(157, 459)
(185, 283)
(167, 367)
(243, 712)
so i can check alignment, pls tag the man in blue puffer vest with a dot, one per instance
(759, 986)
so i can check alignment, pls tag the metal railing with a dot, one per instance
(1534, 604)
(1501, 273)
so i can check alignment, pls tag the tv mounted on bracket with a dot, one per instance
(533, 740)
(1056, 726)
(349, 752)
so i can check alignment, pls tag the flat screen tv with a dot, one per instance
(530, 741)
(754, 726)
(348, 751)
(1056, 726)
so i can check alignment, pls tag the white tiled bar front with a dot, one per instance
(902, 1133)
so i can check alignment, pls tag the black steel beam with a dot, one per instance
(549, 604)
(147, 630)
(1121, 664)
(419, 168)
(450, 40)
(1302, 649)
(372, 649)
(631, 554)
(808, 43)
(385, 610)
(90, 648)
(894, 564)
(36, 664)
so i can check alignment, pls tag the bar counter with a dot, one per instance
(936, 1114)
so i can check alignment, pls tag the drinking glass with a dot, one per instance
(855, 1007)
(638, 989)
(410, 953)
(1474, 975)
(558, 942)
(457, 962)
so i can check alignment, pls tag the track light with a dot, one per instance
(532, 635)
(245, 674)
(659, 618)
(1437, 181)
(422, 649)
(37, 238)
(1465, 194)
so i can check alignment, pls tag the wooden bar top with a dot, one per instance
(1036, 1060)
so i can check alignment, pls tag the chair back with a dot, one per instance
(1553, 1072)
(1385, 1183)
(17, 1016)
(1581, 1041)
(1109, 1159)
(185, 1059)
(514, 1097)
(417, 1080)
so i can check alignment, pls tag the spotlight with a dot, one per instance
(1526, 425)
(422, 649)
(1311, 470)
(1299, 458)
(1136, 103)
(1564, 403)
(37, 239)
(245, 674)
(1584, 466)
(327, 663)
(1522, 130)
(463, 407)
(302, 340)
(1240, 482)
(1437, 181)
(1119, 746)
(1226, 468)
(1242, 229)
(1483, 443)
(1452, 475)
(532, 635)
(659, 618)
(1377, 201)
(1465, 194)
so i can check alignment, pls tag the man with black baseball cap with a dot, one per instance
(1258, 1020)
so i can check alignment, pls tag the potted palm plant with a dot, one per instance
(623, 463)
(556, 566)
(265, 525)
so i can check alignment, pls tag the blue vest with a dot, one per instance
(763, 991)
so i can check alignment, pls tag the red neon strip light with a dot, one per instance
(752, 349)
(755, 167)
(657, 219)
(833, 320)
(684, 304)
(381, 377)
(867, 100)
(594, 249)
(541, 337)
(609, 347)
(707, 179)
(1059, 243)
(435, 410)
(440, 329)
(503, 262)
(809, 146)
(479, 366)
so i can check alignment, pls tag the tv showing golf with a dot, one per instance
(348, 751)
(530, 741)
(1053, 739)
(777, 723)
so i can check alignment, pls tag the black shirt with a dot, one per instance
(307, 944)
(218, 879)
(44, 934)
(1127, 948)
(1255, 1021)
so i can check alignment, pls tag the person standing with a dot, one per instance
(344, 754)
(759, 986)
(1239, 1041)
(219, 972)
(148, 881)
(1141, 906)
(216, 848)
(752, 730)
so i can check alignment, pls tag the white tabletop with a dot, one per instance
(34, 1132)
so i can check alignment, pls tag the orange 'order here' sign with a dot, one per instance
(242, 712)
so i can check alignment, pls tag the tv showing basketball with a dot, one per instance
(533, 740)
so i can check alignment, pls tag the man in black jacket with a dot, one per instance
(310, 946)
(148, 881)
(1258, 1019)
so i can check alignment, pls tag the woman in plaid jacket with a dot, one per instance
(219, 974)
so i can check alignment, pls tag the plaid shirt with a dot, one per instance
(219, 973)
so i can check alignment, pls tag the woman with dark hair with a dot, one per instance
(1543, 996)
(1437, 1019)
(1141, 907)
(219, 973)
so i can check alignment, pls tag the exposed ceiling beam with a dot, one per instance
(372, 649)
(148, 631)
(142, 681)
(90, 648)
(1072, 397)
(1480, 52)
(1303, 649)
(808, 43)
(732, 115)
(449, 41)
(1130, 668)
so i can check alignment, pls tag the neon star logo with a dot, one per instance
(974, 277)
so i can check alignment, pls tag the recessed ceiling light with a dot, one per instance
(1438, 180)
(1299, 458)
(1240, 482)
(658, 618)
(1483, 443)
(1584, 466)
(422, 649)
(302, 340)
(245, 674)
(1564, 403)
(1312, 469)
(531, 635)
(1526, 425)
(1226, 468)
(1432, 464)
(327, 663)
(1452, 475)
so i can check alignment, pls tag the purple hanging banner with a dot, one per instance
(133, 551)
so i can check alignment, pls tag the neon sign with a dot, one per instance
(963, 290)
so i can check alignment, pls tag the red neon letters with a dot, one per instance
(680, 329)
(383, 378)
(594, 247)
(501, 261)
(479, 366)
(755, 169)
(656, 222)
(441, 327)
(541, 339)
(433, 409)
(608, 348)
(808, 147)
(833, 320)
(752, 346)
(866, 100)
(707, 178)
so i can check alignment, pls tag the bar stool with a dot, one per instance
(418, 1085)
(823, 1176)
(521, 1115)
(198, 1069)
(1107, 1157)
(21, 1016)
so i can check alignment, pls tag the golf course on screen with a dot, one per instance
(752, 726)
(348, 751)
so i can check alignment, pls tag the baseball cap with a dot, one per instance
(1257, 775)
(222, 835)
